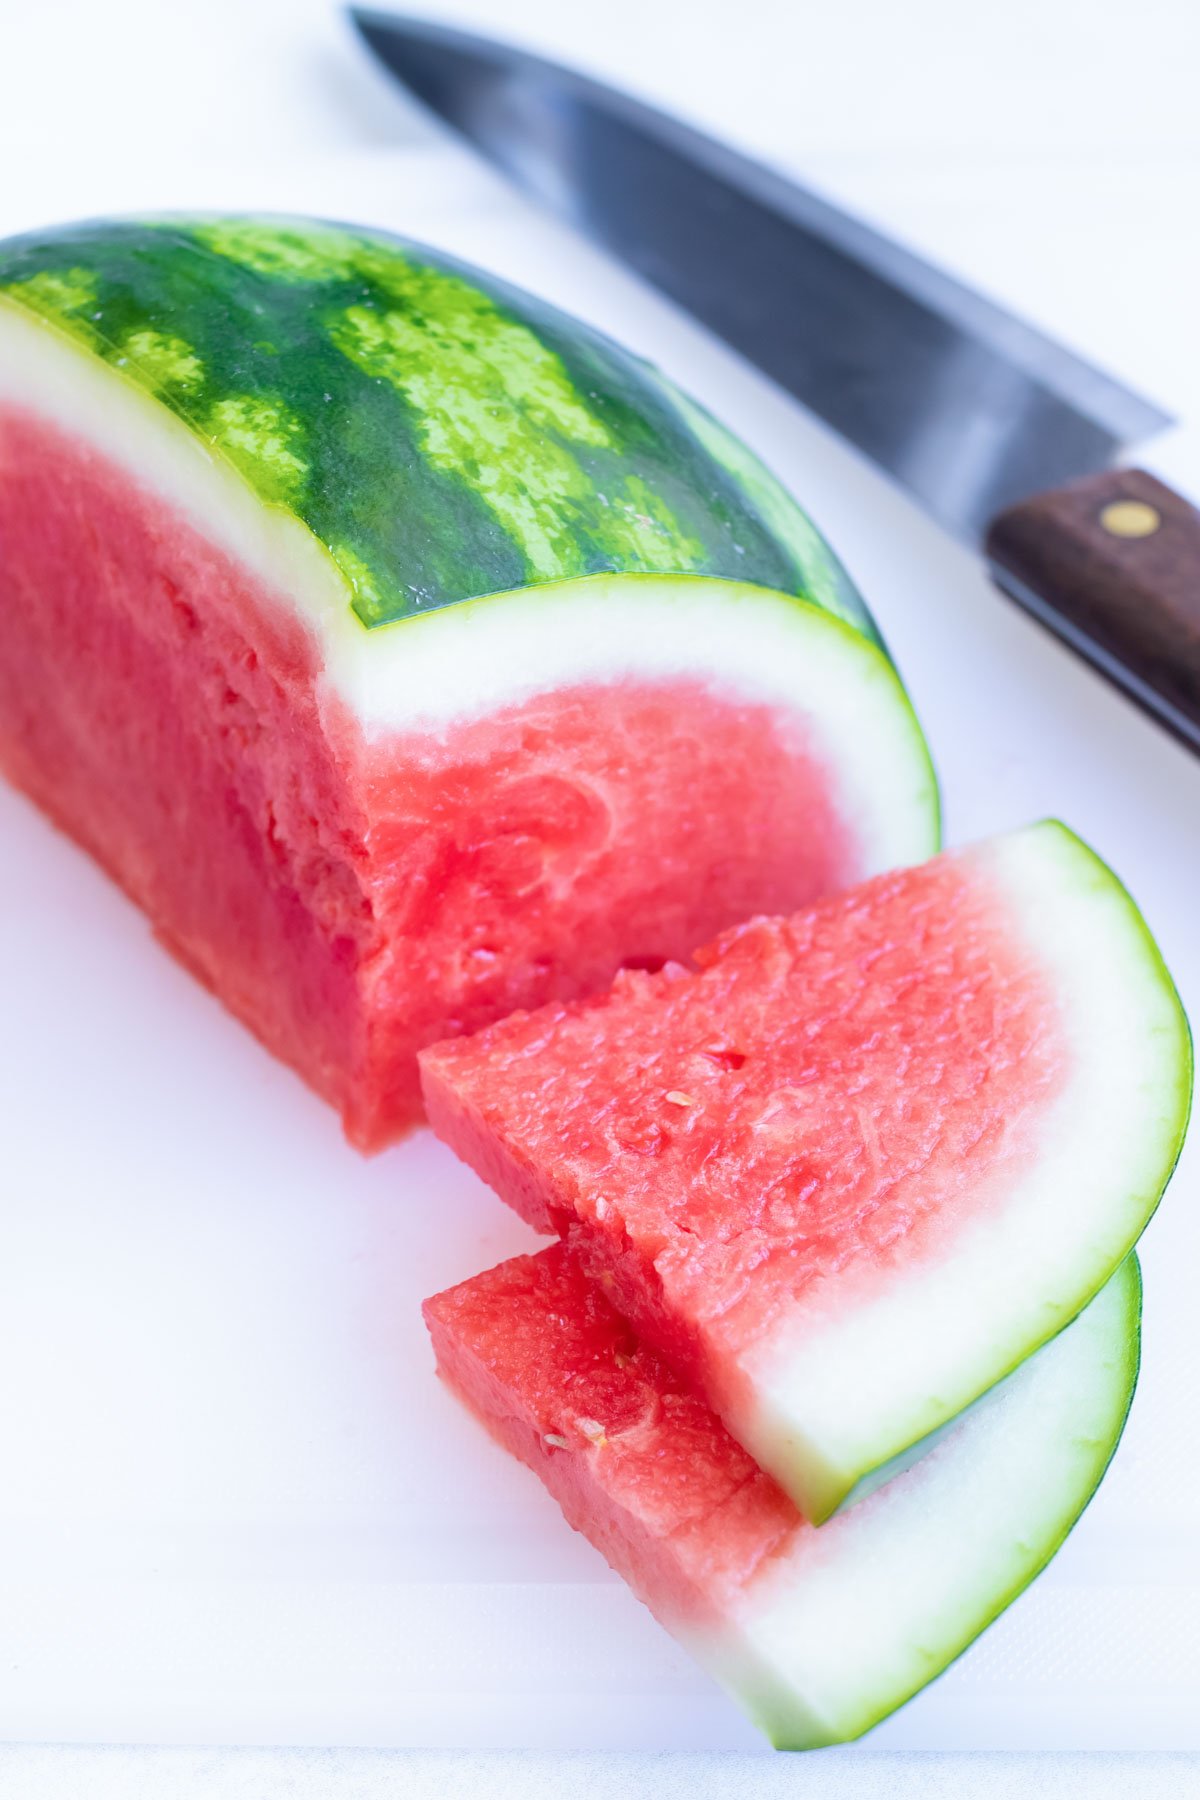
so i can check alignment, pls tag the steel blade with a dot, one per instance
(967, 406)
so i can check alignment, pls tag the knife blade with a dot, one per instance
(1005, 436)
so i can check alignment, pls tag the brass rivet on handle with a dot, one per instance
(1130, 519)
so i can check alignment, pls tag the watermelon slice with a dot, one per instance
(862, 1161)
(818, 1633)
(407, 650)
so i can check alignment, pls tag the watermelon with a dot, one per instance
(858, 1163)
(408, 651)
(817, 1632)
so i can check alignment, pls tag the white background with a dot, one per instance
(1051, 153)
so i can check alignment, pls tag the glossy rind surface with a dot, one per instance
(360, 382)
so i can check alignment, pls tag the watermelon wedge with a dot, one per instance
(407, 650)
(818, 1633)
(860, 1162)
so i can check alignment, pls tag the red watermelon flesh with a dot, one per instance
(353, 894)
(857, 1163)
(818, 1633)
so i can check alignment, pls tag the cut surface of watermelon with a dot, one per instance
(818, 1632)
(857, 1164)
(408, 652)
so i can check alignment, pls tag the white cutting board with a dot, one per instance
(235, 1505)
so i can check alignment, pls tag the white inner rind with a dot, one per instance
(859, 1615)
(742, 643)
(866, 1366)
(48, 374)
(428, 673)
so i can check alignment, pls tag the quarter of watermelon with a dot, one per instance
(818, 1633)
(407, 650)
(860, 1162)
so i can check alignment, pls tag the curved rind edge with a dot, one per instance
(1165, 981)
(281, 549)
(359, 669)
(716, 509)
(1128, 1274)
(860, 1480)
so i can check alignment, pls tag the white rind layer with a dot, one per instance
(744, 644)
(859, 1615)
(46, 373)
(431, 672)
(854, 1377)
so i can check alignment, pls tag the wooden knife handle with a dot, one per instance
(1112, 563)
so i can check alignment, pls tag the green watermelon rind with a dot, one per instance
(357, 381)
(430, 669)
(791, 1729)
(82, 333)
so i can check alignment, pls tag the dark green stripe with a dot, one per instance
(443, 434)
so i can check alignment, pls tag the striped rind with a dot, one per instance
(430, 672)
(360, 383)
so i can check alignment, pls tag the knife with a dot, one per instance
(1007, 438)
